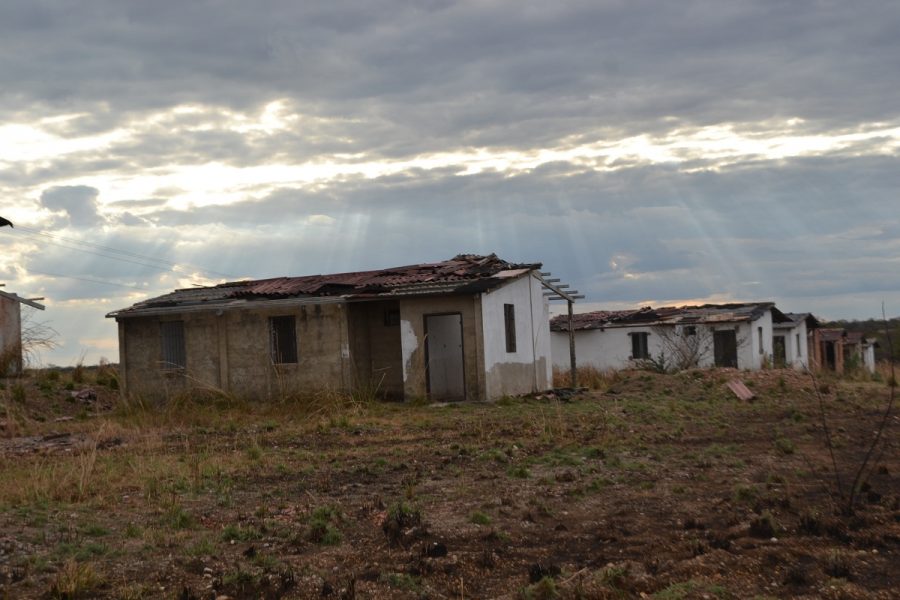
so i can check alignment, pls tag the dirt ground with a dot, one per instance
(652, 486)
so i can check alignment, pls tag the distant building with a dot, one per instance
(790, 345)
(839, 350)
(472, 327)
(722, 335)
(11, 362)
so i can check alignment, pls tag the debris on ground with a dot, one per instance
(740, 390)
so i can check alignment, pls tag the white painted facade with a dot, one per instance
(610, 348)
(868, 355)
(759, 350)
(796, 346)
(529, 368)
(606, 349)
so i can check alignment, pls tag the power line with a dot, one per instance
(89, 280)
(115, 253)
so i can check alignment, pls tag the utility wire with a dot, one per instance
(89, 280)
(115, 253)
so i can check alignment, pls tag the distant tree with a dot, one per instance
(36, 336)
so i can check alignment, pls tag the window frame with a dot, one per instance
(278, 326)
(509, 325)
(172, 346)
(640, 345)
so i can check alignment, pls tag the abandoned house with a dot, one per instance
(472, 327)
(11, 360)
(722, 335)
(790, 345)
(840, 350)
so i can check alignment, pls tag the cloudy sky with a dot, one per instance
(644, 151)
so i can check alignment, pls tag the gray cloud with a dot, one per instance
(457, 74)
(78, 202)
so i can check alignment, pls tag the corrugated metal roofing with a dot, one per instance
(849, 337)
(794, 319)
(668, 315)
(465, 273)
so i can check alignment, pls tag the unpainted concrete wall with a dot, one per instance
(230, 352)
(375, 348)
(140, 351)
(10, 336)
(412, 332)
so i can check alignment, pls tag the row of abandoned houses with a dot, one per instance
(737, 335)
(473, 327)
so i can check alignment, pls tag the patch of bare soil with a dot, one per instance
(659, 486)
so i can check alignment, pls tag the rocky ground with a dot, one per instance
(659, 486)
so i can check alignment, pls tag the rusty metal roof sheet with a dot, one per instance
(668, 315)
(833, 334)
(465, 273)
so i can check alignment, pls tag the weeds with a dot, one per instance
(480, 518)
(75, 580)
(401, 581)
(322, 528)
(545, 589)
(399, 518)
(232, 533)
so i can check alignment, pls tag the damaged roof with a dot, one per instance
(668, 315)
(462, 274)
(834, 334)
(794, 319)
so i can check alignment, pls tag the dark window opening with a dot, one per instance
(283, 335)
(690, 330)
(759, 330)
(509, 319)
(640, 350)
(171, 334)
(799, 350)
(392, 317)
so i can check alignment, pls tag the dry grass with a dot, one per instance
(166, 483)
(589, 377)
(75, 581)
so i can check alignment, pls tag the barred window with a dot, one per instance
(283, 336)
(171, 334)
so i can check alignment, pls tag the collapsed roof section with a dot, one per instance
(795, 319)
(669, 315)
(462, 274)
(835, 334)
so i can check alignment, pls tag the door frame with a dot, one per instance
(462, 350)
(721, 333)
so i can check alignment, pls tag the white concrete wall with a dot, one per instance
(607, 350)
(529, 368)
(751, 356)
(796, 351)
(610, 348)
(869, 357)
